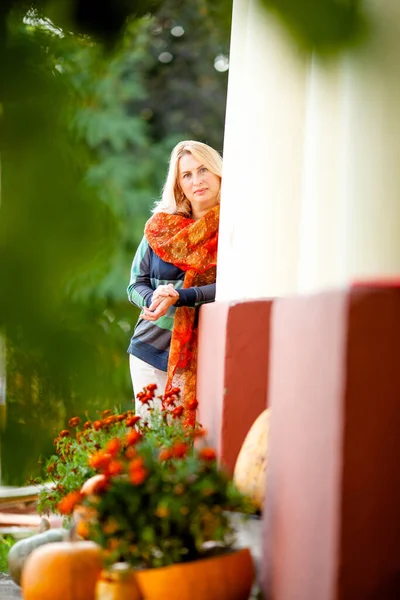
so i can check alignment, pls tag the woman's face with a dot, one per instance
(200, 186)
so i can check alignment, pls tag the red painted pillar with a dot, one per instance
(332, 511)
(232, 372)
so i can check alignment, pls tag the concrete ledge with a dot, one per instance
(332, 527)
(232, 376)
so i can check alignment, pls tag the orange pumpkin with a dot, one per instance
(62, 571)
(226, 577)
(251, 465)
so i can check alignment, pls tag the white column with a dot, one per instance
(322, 210)
(261, 195)
(371, 150)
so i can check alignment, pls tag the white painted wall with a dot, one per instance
(311, 187)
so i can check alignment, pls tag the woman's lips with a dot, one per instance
(201, 191)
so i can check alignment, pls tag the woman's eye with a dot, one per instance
(186, 175)
(203, 170)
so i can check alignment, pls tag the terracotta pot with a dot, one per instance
(251, 466)
(226, 577)
(118, 583)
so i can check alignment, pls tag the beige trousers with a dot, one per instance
(142, 374)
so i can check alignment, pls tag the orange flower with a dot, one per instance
(69, 502)
(130, 453)
(146, 398)
(193, 404)
(82, 529)
(131, 422)
(177, 412)
(151, 387)
(136, 463)
(97, 425)
(64, 433)
(165, 454)
(179, 449)
(113, 446)
(207, 454)
(137, 472)
(74, 422)
(138, 476)
(133, 437)
(105, 413)
(115, 467)
(87, 425)
(100, 460)
(51, 468)
(162, 511)
(199, 433)
(111, 526)
(173, 392)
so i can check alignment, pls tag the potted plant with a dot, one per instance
(158, 509)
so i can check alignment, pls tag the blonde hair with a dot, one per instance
(173, 200)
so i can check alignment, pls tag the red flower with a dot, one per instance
(67, 504)
(151, 387)
(193, 404)
(113, 446)
(87, 425)
(74, 422)
(64, 433)
(133, 437)
(131, 422)
(177, 412)
(207, 454)
(98, 425)
(179, 449)
(105, 413)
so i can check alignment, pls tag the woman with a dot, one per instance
(174, 272)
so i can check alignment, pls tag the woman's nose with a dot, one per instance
(197, 178)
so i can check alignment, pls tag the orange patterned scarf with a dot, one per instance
(191, 246)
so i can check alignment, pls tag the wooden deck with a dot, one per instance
(18, 511)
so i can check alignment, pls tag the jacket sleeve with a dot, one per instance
(139, 290)
(195, 296)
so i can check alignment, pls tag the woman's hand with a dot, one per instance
(164, 291)
(158, 308)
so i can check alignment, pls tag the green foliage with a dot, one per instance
(85, 136)
(68, 469)
(6, 542)
(321, 26)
